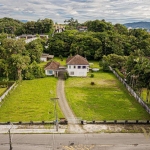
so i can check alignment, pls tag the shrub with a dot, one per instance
(66, 75)
(92, 83)
(92, 75)
(34, 71)
(119, 73)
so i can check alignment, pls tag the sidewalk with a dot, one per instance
(18, 129)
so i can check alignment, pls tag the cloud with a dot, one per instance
(115, 11)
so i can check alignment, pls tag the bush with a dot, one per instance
(92, 83)
(92, 75)
(34, 71)
(66, 75)
(105, 66)
(4, 84)
(119, 73)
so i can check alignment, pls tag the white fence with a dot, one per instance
(139, 99)
(6, 93)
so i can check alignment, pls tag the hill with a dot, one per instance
(9, 25)
(145, 25)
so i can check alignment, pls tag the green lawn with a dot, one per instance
(63, 63)
(31, 101)
(143, 96)
(2, 90)
(106, 100)
(94, 64)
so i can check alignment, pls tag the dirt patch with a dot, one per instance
(117, 128)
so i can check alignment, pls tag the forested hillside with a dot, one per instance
(12, 26)
(9, 25)
(102, 38)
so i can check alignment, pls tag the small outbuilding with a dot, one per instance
(52, 68)
(45, 57)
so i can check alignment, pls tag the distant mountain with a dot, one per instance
(145, 25)
(24, 21)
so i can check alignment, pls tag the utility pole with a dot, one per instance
(10, 140)
(55, 109)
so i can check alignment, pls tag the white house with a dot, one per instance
(45, 57)
(51, 68)
(77, 66)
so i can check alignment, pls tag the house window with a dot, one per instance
(72, 73)
(83, 67)
(79, 67)
(50, 72)
(74, 67)
(69, 67)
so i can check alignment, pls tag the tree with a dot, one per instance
(72, 23)
(20, 63)
(35, 49)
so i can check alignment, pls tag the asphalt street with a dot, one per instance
(103, 141)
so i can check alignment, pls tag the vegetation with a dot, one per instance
(36, 27)
(19, 60)
(135, 69)
(112, 45)
(31, 101)
(9, 25)
(102, 38)
(2, 90)
(106, 100)
(12, 26)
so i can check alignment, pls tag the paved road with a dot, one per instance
(73, 127)
(103, 141)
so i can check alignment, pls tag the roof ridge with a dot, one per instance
(78, 59)
(71, 58)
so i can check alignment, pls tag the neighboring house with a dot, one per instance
(82, 28)
(30, 37)
(77, 66)
(59, 28)
(51, 68)
(45, 57)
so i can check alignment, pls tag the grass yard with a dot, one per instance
(106, 100)
(63, 63)
(2, 90)
(30, 101)
(94, 64)
(143, 96)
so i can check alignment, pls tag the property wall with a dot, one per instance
(139, 99)
(6, 93)
(73, 70)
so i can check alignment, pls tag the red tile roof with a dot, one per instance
(53, 65)
(76, 60)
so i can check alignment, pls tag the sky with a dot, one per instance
(114, 11)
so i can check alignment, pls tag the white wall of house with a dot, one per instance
(78, 70)
(49, 72)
